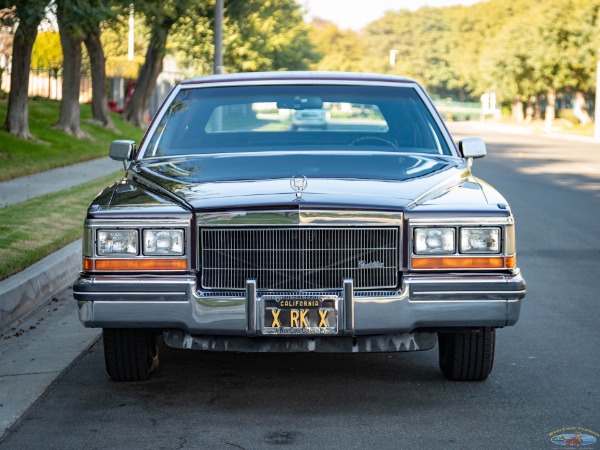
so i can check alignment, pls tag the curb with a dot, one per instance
(25, 291)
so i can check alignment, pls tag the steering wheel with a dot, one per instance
(373, 140)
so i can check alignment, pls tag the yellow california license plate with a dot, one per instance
(311, 314)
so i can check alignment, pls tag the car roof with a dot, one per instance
(297, 76)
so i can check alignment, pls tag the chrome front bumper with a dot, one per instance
(428, 302)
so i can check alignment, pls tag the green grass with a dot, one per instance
(57, 149)
(31, 230)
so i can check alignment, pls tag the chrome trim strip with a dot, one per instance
(138, 293)
(348, 310)
(251, 307)
(471, 278)
(455, 301)
(467, 292)
(296, 217)
(462, 221)
(123, 223)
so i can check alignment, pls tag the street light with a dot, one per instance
(218, 61)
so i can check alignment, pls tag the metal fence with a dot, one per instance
(47, 83)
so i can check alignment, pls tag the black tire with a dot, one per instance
(130, 354)
(467, 356)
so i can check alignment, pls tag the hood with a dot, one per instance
(357, 180)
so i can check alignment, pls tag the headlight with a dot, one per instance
(480, 240)
(163, 242)
(434, 241)
(117, 242)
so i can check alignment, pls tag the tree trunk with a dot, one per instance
(538, 109)
(580, 108)
(550, 109)
(136, 110)
(530, 110)
(517, 109)
(69, 105)
(98, 62)
(17, 114)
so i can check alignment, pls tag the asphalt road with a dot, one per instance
(546, 375)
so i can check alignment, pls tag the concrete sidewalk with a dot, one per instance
(24, 188)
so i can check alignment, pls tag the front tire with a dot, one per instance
(130, 354)
(467, 356)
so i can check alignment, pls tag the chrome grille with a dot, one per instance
(299, 258)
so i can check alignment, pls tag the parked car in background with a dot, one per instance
(309, 118)
(230, 231)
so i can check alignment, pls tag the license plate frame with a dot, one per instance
(288, 315)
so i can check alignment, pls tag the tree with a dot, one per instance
(29, 14)
(78, 21)
(267, 36)
(422, 41)
(340, 50)
(47, 51)
(160, 16)
(507, 64)
(564, 45)
(71, 37)
(100, 112)
(258, 36)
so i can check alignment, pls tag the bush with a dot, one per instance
(568, 115)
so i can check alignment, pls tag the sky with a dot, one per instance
(355, 14)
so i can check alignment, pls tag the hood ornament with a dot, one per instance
(298, 184)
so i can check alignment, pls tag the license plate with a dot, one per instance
(300, 314)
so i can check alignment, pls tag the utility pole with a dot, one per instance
(218, 62)
(130, 34)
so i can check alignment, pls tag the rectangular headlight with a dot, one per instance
(480, 240)
(163, 242)
(117, 242)
(429, 241)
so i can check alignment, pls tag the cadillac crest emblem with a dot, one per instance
(298, 184)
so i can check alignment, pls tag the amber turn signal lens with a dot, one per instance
(496, 262)
(140, 264)
(88, 264)
(511, 262)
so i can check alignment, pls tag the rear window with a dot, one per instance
(295, 117)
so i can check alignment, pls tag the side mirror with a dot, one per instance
(472, 148)
(122, 150)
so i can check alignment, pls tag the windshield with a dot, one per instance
(294, 117)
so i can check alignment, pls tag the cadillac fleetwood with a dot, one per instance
(234, 229)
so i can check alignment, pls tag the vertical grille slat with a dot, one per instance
(309, 258)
